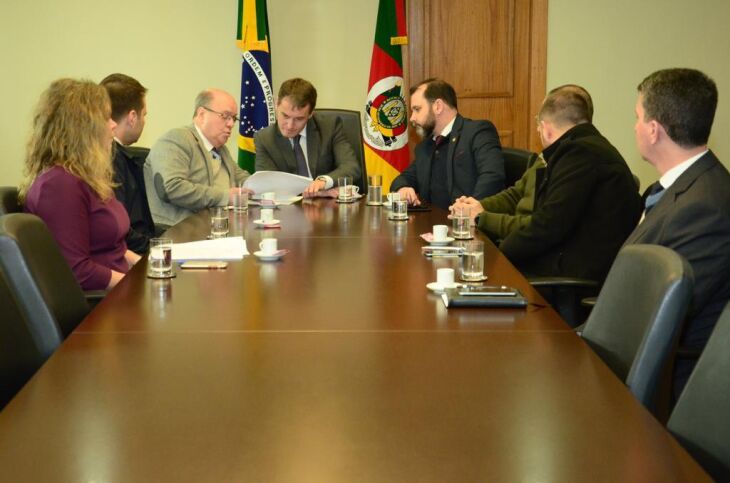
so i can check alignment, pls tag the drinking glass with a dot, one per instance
(400, 210)
(461, 222)
(344, 188)
(240, 201)
(218, 222)
(159, 261)
(472, 261)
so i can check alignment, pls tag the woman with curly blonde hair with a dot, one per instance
(68, 181)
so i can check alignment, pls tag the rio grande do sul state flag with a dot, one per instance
(385, 120)
(257, 97)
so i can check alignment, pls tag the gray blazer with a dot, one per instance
(328, 151)
(177, 176)
(693, 218)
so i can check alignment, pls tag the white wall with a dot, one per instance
(175, 48)
(609, 47)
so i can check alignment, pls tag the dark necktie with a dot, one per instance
(655, 193)
(301, 160)
(439, 140)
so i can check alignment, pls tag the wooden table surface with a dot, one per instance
(334, 364)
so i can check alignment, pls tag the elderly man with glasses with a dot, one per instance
(190, 168)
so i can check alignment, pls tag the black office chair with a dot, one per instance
(353, 133)
(516, 162)
(40, 280)
(638, 316)
(20, 353)
(701, 418)
(9, 200)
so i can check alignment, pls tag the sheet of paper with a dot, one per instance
(229, 248)
(285, 185)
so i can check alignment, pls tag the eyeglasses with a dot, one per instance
(224, 115)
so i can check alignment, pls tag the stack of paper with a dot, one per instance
(229, 248)
(285, 185)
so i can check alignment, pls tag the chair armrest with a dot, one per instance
(589, 302)
(562, 282)
(93, 297)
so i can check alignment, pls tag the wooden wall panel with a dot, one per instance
(492, 51)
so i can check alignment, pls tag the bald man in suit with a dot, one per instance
(190, 168)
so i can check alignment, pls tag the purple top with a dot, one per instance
(90, 232)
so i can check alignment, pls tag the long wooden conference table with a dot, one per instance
(333, 364)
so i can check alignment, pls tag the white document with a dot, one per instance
(285, 185)
(229, 248)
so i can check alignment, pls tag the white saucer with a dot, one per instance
(266, 223)
(269, 257)
(438, 288)
(441, 243)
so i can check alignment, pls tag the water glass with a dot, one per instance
(218, 222)
(400, 210)
(159, 261)
(472, 261)
(461, 222)
(375, 195)
(240, 201)
(344, 188)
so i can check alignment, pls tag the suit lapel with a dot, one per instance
(453, 141)
(313, 142)
(287, 162)
(665, 205)
(204, 153)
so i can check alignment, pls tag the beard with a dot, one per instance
(425, 130)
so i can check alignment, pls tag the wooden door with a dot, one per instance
(494, 54)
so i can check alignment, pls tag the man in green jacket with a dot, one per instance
(501, 214)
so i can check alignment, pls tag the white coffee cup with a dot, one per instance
(268, 246)
(267, 214)
(440, 232)
(445, 277)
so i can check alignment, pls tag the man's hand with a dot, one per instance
(466, 202)
(409, 194)
(314, 187)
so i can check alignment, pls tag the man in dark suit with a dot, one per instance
(457, 157)
(586, 203)
(129, 110)
(302, 142)
(688, 209)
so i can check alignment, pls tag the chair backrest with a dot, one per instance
(353, 133)
(20, 356)
(9, 200)
(516, 162)
(635, 324)
(701, 418)
(41, 283)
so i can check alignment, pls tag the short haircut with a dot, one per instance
(581, 91)
(300, 92)
(203, 99)
(437, 89)
(683, 101)
(126, 94)
(567, 105)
